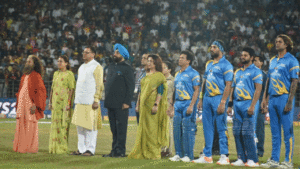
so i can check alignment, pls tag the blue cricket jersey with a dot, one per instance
(216, 75)
(184, 83)
(244, 82)
(281, 72)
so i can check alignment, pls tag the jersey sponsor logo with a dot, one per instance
(275, 73)
(179, 85)
(213, 88)
(211, 76)
(281, 65)
(217, 67)
(279, 86)
(185, 75)
(240, 84)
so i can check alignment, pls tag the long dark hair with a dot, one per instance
(66, 59)
(157, 62)
(37, 65)
(288, 41)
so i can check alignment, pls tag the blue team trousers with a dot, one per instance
(184, 129)
(209, 118)
(280, 118)
(244, 130)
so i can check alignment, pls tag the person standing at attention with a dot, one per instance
(87, 113)
(187, 84)
(119, 88)
(61, 106)
(216, 89)
(279, 95)
(30, 106)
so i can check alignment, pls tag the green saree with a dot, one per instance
(153, 130)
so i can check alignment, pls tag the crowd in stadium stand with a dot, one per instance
(49, 28)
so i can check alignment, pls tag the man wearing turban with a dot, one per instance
(119, 90)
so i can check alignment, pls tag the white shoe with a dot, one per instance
(224, 160)
(270, 164)
(286, 165)
(185, 159)
(175, 158)
(239, 162)
(203, 159)
(251, 163)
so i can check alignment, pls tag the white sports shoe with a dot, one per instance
(238, 162)
(203, 159)
(251, 163)
(175, 158)
(185, 159)
(270, 164)
(286, 165)
(224, 160)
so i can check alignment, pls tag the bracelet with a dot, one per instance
(230, 104)
(155, 104)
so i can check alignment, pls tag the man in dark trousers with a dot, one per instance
(260, 123)
(119, 89)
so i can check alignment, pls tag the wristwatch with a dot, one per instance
(155, 104)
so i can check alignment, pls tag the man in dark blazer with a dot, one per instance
(119, 88)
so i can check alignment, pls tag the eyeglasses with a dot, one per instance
(86, 52)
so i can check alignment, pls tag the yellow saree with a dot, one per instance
(153, 130)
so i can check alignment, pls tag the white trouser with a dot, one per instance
(87, 139)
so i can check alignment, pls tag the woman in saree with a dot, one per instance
(61, 105)
(152, 104)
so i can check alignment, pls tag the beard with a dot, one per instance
(214, 55)
(117, 59)
(245, 62)
(27, 69)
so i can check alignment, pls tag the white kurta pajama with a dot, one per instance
(89, 89)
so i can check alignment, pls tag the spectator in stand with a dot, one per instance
(13, 82)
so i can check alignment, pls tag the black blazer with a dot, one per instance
(119, 86)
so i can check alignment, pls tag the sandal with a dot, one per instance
(87, 153)
(75, 153)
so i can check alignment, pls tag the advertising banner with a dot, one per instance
(7, 108)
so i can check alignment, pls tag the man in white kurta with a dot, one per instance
(87, 114)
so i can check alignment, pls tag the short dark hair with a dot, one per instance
(170, 66)
(261, 58)
(157, 62)
(288, 41)
(93, 50)
(189, 55)
(249, 50)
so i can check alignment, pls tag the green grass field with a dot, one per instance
(11, 159)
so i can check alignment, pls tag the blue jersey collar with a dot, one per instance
(283, 55)
(187, 69)
(249, 67)
(223, 58)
